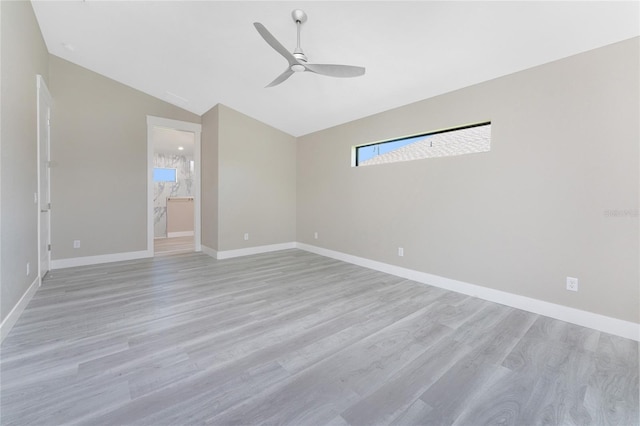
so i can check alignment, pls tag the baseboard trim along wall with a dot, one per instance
(599, 322)
(10, 320)
(228, 254)
(96, 260)
(180, 234)
(209, 251)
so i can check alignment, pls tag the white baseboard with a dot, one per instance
(228, 254)
(95, 260)
(180, 234)
(11, 319)
(209, 251)
(592, 320)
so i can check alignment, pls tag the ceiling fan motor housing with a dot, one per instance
(299, 55)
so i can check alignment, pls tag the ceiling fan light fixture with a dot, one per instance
(297, 68)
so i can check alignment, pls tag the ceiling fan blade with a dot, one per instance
(335, 70)
(282, 77)
(271, 40)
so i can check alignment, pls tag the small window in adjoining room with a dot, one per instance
(442, 143)
(164, 175)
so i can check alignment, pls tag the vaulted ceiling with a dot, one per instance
(196, 54)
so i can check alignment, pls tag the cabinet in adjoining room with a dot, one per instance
(179, 216)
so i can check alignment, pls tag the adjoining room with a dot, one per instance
(173, 191)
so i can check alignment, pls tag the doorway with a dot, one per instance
(44, 178)
(173, 190)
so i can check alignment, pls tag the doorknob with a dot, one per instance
(44, 211)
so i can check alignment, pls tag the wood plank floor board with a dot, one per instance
(132, 361)
(316, 351)
(465, 379)
(500, 402)
(556, 362)
(443, 386)
(400, 392)
(171, 246)
(48, 405)
(55, 362)
(372, 322)
(482, 322)
(518, 397)
(455, 315)
(266, 354)
(152, 377)
(612, 392)
(356, 371)
(561, 357)
(413, 415)
(337, 421)
(295, 338)
(197, 396)
(221, 397)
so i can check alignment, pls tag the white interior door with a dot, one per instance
(44, 188)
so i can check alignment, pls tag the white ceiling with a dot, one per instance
(169, 141)
(198, 54)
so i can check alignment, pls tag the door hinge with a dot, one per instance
(49, 247)
(49, 206)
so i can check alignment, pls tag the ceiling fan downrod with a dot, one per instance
(299, 17)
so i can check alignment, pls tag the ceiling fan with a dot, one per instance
(298, 60)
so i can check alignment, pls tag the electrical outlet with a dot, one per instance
(246, 236)
(572, 284)
(400, 251)
(315, 235)
(76, 243)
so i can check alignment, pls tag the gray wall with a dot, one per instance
(209, 178)
(248, 182)
(257, 187)
(547, 202)
(24, 55)
(99, 155)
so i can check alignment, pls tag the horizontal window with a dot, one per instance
(164, 175)
(443, 143)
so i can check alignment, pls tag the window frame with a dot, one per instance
(355, 161)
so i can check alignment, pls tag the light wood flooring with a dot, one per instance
(299, 339)
(171, 246)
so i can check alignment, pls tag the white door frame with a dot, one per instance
(184, 126)
(44, 194)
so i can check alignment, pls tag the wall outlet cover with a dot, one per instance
(572, 284)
